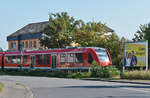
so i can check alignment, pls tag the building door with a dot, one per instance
(32, 58)
(54, 60)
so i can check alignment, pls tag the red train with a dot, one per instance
(68, 58)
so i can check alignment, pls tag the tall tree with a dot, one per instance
(90, 34)
(59, 31)
(139, 34)
(147, 32)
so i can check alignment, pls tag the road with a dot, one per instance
(44, 87)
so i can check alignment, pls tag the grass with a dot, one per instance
(1, 86)
(137, 75)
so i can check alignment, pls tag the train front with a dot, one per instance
(103, 56)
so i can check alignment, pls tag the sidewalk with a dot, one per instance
(145, 82)
(15, 90)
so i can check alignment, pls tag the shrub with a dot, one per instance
(103, 71)
(75, 75)
(79, 75)
(144, 75)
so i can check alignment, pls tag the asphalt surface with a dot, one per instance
(15, 90)
(43, 87)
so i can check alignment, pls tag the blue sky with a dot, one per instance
(124, 16)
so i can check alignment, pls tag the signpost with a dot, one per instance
(135, 54)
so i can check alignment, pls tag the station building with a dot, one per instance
(27, 37)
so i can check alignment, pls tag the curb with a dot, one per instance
(11, 90)
(131, 82)
(28, 91)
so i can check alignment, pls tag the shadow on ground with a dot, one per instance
(119, 86)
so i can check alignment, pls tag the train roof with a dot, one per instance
(67, 49)
(94, 48)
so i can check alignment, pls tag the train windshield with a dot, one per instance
(102, 54)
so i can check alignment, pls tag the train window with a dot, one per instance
(25, 59)
(46, 59)
(8, 59)
(103, 56)
(70, 57)
(79, 57)
(14, 60)
(62, 57)
(90, 59)
(19, 60)
(39, 59)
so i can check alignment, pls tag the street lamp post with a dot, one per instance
(21, 59)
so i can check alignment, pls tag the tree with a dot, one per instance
(63, 30)
(90, 34)
(139, 34)
(59, 31)
(147, 32)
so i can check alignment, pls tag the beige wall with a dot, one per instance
(28, 41)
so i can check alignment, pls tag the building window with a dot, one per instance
(30, 44)
(22, 45)
(26, 44)
(13, 45)
(34, 44)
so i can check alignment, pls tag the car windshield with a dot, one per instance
(102, 54)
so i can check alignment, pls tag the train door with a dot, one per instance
(53, 60)
(2, 66)
(32, 58)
